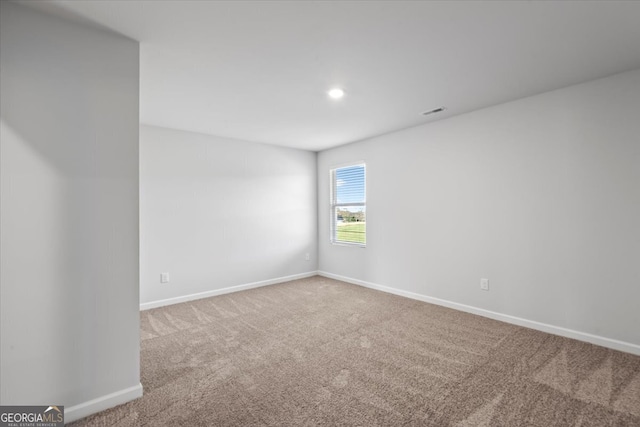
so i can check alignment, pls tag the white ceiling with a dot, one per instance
(259, 71)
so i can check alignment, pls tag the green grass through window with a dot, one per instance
(351, 232)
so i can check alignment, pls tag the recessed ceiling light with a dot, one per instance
(336, 93)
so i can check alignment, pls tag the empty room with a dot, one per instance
(336, 213)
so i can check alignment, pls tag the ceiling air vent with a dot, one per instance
(437, 110)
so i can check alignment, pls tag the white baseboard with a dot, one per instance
(76, 412)
(215, 292)
(544, 327)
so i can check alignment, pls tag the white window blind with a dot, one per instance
(348, 205)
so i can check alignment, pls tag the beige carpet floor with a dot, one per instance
(321, 352)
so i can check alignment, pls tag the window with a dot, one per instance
(348, 205)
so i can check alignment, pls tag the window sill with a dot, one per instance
(356, 245)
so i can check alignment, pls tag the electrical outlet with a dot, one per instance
(307, 256)
(484, 284)
(164, 277)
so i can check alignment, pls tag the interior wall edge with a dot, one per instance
(82, 410)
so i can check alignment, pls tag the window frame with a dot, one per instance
(333, 206)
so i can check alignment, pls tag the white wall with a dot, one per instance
(217, 213)
(69, 204)
(540, 195)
